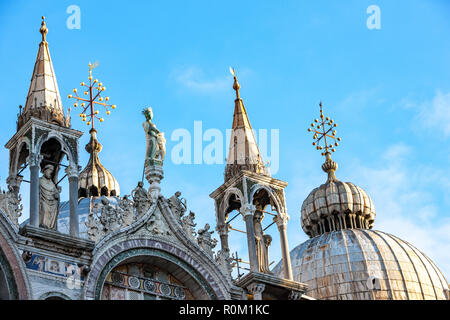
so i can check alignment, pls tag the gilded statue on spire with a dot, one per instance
(156, 143)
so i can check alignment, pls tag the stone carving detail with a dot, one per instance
(48, 199)
(10, 201)
(156, 143)
(141, 199)
(127, 211)
(177, 205)
(224, 260)
(188, 224)
(157, 224)
(205, 241)
(109, 217)
(95, 228)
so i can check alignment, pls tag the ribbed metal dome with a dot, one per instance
(95, 180)
(336, 205)
(357, 264)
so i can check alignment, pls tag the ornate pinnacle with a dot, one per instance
(88, 104)
(236, 85)
(43, 30)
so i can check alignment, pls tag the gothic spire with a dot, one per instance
(243, 151)
(43, 99)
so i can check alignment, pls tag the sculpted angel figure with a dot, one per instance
(48, 199)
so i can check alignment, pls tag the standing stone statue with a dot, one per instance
(177, 204)
(141, 199)
(188, 224)
(156, 143)
(205, 241)
(48, 199)
(262, 243)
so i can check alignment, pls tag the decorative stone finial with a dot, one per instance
(330, 167)
(236, 85)
(43, 29)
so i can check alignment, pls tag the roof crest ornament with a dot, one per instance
(324, 128)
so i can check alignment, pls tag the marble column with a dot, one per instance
(248, 212)
(281, 221)
(222, 230)
(74, 221)
(34, 161)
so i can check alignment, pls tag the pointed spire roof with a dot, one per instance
(43, 99)
(243, 151)
(95, 180)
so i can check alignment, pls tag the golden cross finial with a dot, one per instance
(236, 85)
(43, 30)
(88, 104)
(323, 129)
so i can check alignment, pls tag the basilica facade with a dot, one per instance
(100, 244)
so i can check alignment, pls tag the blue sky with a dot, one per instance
(388, 90)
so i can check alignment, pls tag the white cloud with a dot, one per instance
(435, 114)
(194, 78)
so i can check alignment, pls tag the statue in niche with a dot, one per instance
(263, 242)
(141, 199)
(177, 204)
(188, 224)
(48, 199)
(127, 213)
(205, 241)
(156, 143)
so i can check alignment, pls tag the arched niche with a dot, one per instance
(128, 276)
(54, 296)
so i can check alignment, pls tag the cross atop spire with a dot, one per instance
(324, 128)
(243, 152)
(43, 99)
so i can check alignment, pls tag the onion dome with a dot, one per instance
(359, 264)
(95, 180)
(336, 205)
